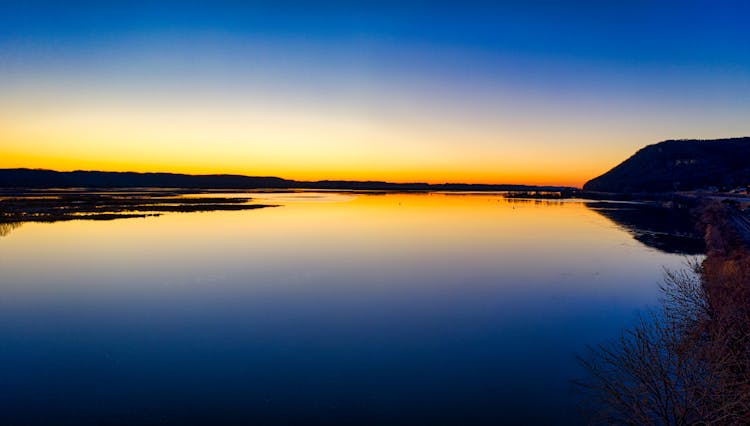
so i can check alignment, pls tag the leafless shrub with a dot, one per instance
(683, 364)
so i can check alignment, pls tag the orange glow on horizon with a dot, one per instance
(301, 144)
(394, 176)
(486, 172)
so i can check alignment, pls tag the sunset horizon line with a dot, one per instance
(430, 182)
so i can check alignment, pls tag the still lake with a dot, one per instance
(331, 308)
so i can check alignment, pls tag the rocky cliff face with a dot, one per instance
(680, 165)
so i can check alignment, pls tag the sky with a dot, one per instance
(535, 92)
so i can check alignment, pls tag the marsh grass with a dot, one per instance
(100, 206)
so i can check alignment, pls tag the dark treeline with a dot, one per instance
(35, 178)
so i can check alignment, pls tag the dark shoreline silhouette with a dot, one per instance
(38, 178)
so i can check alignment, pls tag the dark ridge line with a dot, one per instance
(47, 179)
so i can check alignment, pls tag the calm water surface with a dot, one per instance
(332, 308)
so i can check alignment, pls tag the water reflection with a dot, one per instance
(540, 201)
(667, 229)
(6, 228)
(89, 205)
(388, 309)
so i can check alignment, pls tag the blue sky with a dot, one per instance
(466, 81)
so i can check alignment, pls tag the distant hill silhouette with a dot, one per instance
(36, 178)
(680, 165)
